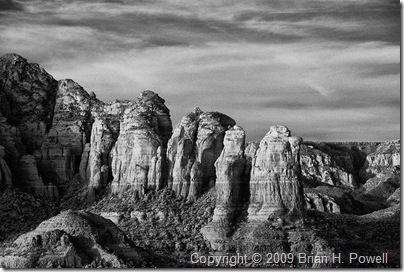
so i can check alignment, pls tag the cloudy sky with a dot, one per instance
(329, 70)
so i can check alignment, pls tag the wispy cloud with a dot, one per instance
(329, 70)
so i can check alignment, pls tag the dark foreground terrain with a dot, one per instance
(85, 183)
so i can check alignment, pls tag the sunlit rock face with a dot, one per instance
(275, 185)
(144, 129)
(386, 159)
(334, 169)
(196, 144)
(28, 95)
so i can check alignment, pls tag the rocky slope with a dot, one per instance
(130, 191)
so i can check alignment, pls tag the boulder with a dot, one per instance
(275, 185)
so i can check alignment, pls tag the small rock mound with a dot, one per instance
(70, 239)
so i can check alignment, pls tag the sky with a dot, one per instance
(328, 70)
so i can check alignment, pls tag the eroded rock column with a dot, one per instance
(229, 171)
(192, 151)
(229, 177)
(275, 186)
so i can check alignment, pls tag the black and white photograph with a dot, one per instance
(200, 134)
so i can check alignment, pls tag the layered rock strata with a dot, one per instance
(385, 160)
(196, 144)
(55, 163)
(318, 165)
(143, 130)
(229, 173)
(275, 185)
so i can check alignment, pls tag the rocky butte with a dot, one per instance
(86, 183)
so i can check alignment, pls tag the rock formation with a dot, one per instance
(385, 159)
(55, 163)
(31, 181)
(71, 124)
(196, 143)
(229, 170)
(229, 178)
(143, 130)
(334, 167)
(70, 239)
(394, 198)
(28, 98)
(103, 138)
(380, 187)
(275, 185)
(321, 202)
(10, 139)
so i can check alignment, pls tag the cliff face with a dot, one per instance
(385, 159)
(321, 163)
(275, 185)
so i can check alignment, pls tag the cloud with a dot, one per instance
(10, 5)
(328, 70)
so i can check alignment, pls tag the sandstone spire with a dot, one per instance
(275, 186)
(192, 151)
